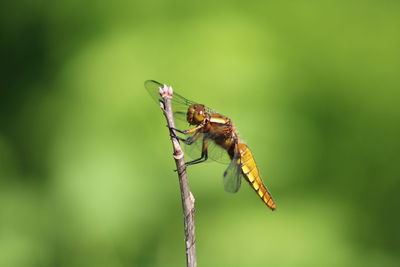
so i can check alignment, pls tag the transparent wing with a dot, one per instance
(194, 150)
(215, 152)
(179, 103)
(233, 176)
(218, 154)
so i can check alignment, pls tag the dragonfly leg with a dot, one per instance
(189, 131)
(204, 154)
(176, 130)
(174, 135)
(188, 141)
(203, 158)
(183, 170)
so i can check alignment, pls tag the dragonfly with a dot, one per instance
(215, 137)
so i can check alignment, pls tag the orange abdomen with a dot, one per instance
(252, 175)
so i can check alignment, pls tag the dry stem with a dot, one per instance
(186, 195)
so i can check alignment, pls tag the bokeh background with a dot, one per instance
(85, 160)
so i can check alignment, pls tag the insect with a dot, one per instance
(217, 139)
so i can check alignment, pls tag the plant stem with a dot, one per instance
(186, 195)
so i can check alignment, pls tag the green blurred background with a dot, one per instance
(85, 160)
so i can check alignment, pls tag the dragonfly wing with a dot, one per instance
(180, 115)
(215, 152)
(218, 154)
(194, 150)
(179, 103)
(153, 88)
(233, 176)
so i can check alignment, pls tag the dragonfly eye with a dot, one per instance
(190, 115)
(199, 117)
(195, 114)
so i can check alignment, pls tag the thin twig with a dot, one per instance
(187, 196)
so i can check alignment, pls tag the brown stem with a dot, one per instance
(186, 195)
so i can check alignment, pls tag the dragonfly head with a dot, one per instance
(196, 114)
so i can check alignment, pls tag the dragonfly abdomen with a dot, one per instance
(252, 175)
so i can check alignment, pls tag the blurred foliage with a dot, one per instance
(85, 161)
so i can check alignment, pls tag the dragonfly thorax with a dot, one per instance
(196, 114)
